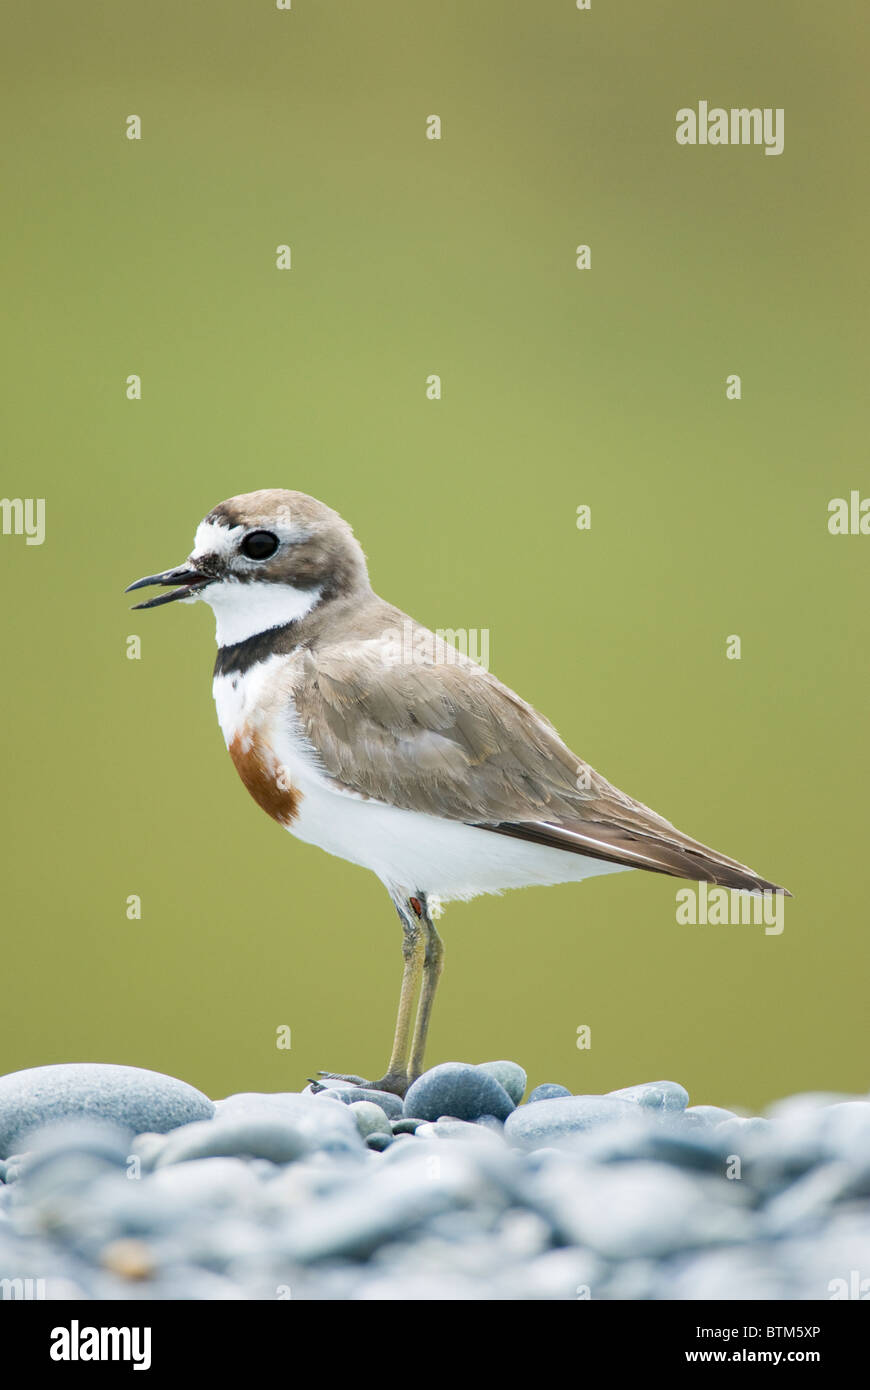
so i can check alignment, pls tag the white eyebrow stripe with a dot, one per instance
(215, 538)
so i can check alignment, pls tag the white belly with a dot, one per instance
(409, 851)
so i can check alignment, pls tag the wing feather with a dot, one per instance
(441, 735)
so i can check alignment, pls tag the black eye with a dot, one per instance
(259, 545)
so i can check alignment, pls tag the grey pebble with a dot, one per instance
(349, 1094)
(457, 1090)
(253, 1136)
(379, 1141)
(327, 1125)
(657, 1095)
(510, 1075)
(711, 1114)
(370, 1118)
(548, 1090)
(547, 1121)
(406, 1125)
(128, 1096)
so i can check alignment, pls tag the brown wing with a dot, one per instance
(439, 734)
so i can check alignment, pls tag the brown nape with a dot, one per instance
(263, 778)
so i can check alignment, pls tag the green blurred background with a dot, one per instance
(560, 387)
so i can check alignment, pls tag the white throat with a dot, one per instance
(244, 610)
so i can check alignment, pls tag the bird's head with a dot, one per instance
(262, 560)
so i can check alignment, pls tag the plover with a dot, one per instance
(363, 732)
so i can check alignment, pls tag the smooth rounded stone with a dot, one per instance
(348, 1093)
(132, 1097)
(253, 1136)
(712, 1114)
(509, 1075)
(642, 1210)
(369, 1118)
(378, 1142)
(458, 1090)
(656, 1095)
(407, 1125)
(738, 1129)
(549, 1121)
(69, 1154)
(490, 1122)
(327, 1125)
(548, 1090)
(449, 1127)
(275, 1102)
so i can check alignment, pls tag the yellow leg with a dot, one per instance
(423, 955)
(433, 964)
(413, 952)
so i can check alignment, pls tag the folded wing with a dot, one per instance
(440, 735)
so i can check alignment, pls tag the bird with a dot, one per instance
(363, 732)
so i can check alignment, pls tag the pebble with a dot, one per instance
(509, 1075)
(547, 1121)
(128, 1096)
(244, 1136)
(378, 1141)
(711, 1114)
(458, 1090)
(349, 1094)
(657, 1095)
(328, 1125)
(370, 1118)
(548, 1090)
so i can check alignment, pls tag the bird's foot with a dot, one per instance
(395, 1082)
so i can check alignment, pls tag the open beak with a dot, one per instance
(190, 581)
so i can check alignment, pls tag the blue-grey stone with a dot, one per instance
(547, 1121)
(509, 1075)
(712, 1114)
(449, 1127)
(348, 1093)
(244, 1136)
(739, 1128)
(369, 1118)
(656, 1095)
(548, 1090)
(458, 1090)
(326, 1124)
(128, 1096)
(407, 1125)
(378, 1142)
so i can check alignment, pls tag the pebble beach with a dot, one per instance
(122, 1183)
